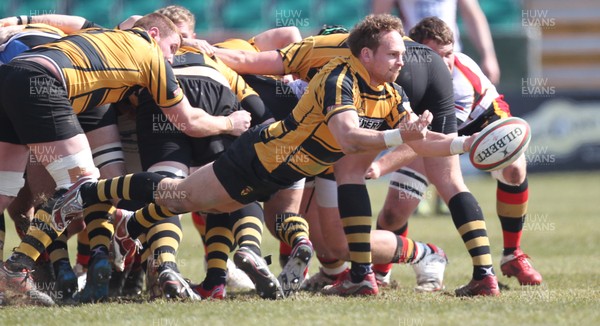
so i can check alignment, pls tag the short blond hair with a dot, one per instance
(178, 15)
(165, 26)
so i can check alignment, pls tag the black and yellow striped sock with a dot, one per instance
(468, 220)
(511, 205)
(248, 227)
(40, 235)
(58, 250)
(146, 217)
(291, 228)
(99, 229)
(2, 236)
(138, 186)
(355, 210)
(164, 238)
(219, 243)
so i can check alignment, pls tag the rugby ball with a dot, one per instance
(500, 143)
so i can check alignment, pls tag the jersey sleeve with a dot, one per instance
(294, 57)
(163, 85)
(338, 91)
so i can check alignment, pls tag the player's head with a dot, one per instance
(183, 19)
(377, 42)
(164, 31)
(436, 34)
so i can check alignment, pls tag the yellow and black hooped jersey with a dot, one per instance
(192, 61)
(305, 58)
(101, 66)
(302, 145)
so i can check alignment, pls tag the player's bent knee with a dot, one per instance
(513, 175)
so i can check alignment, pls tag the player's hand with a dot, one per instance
(373, 172)
(201, 45)
(416, 129)
(241, 122)
(469, 142)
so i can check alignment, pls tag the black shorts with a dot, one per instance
(428, 84)
(34, 106)
(278, 97)
(159, 140)
(96, 118)
(242, 174)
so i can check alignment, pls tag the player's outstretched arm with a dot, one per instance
(277, 38)
(352, 139)
(246, 62)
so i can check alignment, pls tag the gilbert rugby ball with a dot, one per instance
(500, 143)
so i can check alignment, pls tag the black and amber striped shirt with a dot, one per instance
(302, 145)
(101, 66)
(305, 58)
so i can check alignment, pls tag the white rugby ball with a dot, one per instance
(500, 143)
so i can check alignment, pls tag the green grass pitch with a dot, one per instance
(561, 236)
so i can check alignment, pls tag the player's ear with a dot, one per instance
(366, 54)
(154, 32)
